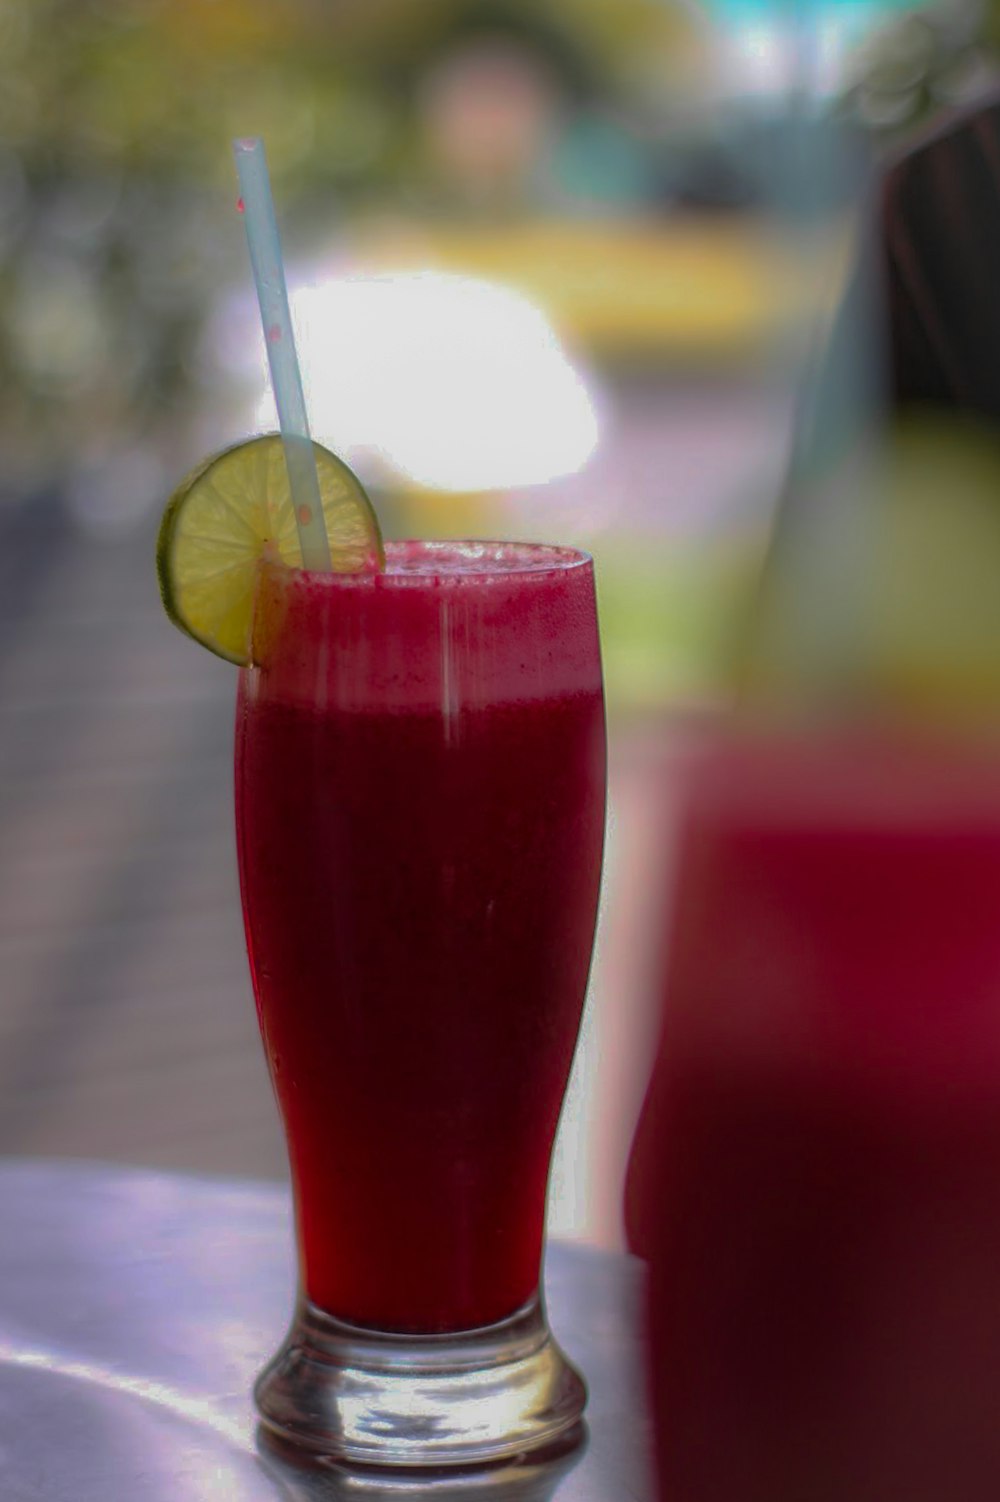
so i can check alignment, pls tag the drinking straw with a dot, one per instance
(257, 206)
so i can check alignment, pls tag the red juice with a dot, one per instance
(420, 811)
(819, 1161)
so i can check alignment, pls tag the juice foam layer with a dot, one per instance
(485, 560)
(447, 626)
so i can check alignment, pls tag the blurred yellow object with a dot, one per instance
(895, 609)
(679, 288)
(418, 512)
(935, 616)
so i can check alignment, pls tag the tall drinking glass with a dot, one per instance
(420, 790)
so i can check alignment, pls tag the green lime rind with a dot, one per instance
(231, 511)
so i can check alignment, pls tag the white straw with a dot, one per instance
(286, 378)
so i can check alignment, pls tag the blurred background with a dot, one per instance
(559, 270)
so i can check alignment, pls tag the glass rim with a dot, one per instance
(540, 559)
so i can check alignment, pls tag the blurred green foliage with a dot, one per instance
(116, 181)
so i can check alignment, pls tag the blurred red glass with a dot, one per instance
(816, 1176)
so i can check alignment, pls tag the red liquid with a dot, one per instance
(822, 1145)
(420, 853)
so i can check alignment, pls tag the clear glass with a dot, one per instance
(536, 1477)
(420, 791)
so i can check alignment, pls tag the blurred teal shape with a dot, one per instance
(597, 163)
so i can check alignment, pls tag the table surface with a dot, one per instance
(137, 1307)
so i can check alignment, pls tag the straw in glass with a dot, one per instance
(286, 378)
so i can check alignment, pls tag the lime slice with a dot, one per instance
(233, 510)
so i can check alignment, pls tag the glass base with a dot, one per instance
(374, 1398)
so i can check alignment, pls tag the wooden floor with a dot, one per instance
(127, 1028)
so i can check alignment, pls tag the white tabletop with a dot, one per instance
(136, 1308)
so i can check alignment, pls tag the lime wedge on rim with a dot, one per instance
(235, 509)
